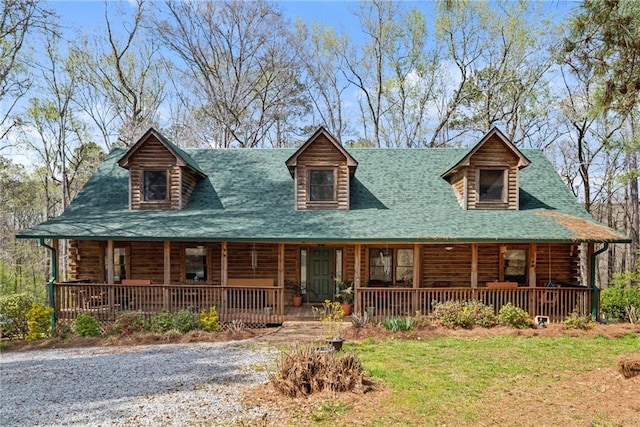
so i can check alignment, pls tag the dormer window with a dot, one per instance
(322, 185)
(487, 176)
(155, 186)
(491, 185)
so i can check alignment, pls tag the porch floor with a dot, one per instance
(304, 312)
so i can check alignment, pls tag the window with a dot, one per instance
(515, 265)
(491, 185)
(196, 264)
(321, 185)
(391, 266)
(155, 186)
(120, 264)
(404, 266)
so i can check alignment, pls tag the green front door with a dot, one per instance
(320, 275)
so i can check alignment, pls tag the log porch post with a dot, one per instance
(357, 260)
(281, 278)
(223, 264)
(224, 260)
(110, 273)
(167, 273)
(474, 265)
(533, 280)
(416, 277)
(533, 255)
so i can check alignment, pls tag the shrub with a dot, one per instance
(236, 326)
(62, 331)
(446, 313)
(575, 321)
(359, 320)
(421, 321)
(459, 314)
(483, 315)
(514, 317)
(616, 299)
(39, 322)
(209, 321)
(396, 324)
(306, 370)
(13, 315)
(129, 323)
(185, 321)
(162, 322)
(86, 325)
(331, 315)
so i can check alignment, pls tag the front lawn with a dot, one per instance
(498, 380)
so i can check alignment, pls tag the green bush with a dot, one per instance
(514, 317)
(13, 315)
(463, 314)
(396, 324)
(185, 321)
(483, 315)
(209, 321)
(129, 323)
(86, 325)
(620, 295)
(575, 321)
(162, 322)
(39, 322)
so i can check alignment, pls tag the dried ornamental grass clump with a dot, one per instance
(629, 365)
(305, 371)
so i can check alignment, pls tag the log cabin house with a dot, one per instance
(160, 227)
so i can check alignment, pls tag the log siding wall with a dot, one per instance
(438, 266)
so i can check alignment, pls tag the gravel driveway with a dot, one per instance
(167, 385)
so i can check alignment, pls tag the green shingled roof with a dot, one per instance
(397, 195)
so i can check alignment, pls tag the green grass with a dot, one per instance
(444, 380)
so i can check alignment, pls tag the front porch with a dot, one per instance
(262, 305)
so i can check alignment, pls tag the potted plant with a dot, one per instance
(331, 316)
(345, 295)
(297, 293)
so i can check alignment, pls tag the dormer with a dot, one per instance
(487, 177)
(321, 169)
(161, 175)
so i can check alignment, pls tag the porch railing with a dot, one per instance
(555, 303)
(253, 306)
(264, 305)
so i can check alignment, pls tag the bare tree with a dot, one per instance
(238, 71)
(122, 79)
(18, 18)
(322, 80)
(503, 56)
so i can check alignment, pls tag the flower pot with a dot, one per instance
(347, 309)
(297, 301)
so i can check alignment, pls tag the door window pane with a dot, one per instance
(196, 264)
